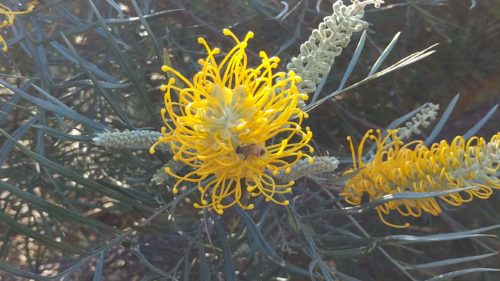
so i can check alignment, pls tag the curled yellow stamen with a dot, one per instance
(397, 168)
(7, 16)
(232, 123)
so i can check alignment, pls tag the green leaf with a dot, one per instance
(411, 239)
(227, 257)
(99, 267)
(125, 63)
(52, 209)
(13, 271)
(112, 103)
(449, 262)
(387, 198)
(450, 275)
(56, 108)
(119, 197)
(22, 229)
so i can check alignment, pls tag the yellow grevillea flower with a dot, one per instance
(413, 167)
(8, 20)
(235, 126)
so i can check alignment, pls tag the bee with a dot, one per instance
(250, 150)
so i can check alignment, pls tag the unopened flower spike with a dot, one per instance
(7, 16)
(413, 167)
(318, 53)
(421, 119)
(359, 5)
(161, 177)
(137, 139)
(306, 167)
(223, 122)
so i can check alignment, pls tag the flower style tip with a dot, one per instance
(396, 167)
(234, 126)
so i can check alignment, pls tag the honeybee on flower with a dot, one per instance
(235, 127)
(248, 150)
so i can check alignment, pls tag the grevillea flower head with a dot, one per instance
(413, 167)
(7, 19)
(235, 127)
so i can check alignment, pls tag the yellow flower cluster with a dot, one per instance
(9, 19)
(413, 167)
(232, 125)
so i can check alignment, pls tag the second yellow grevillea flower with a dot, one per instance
(7, 19)
(235, 127)
(413, 167)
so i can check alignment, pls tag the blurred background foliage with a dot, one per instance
(73, 210)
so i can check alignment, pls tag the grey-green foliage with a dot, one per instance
(74, 210)
(421, 120)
